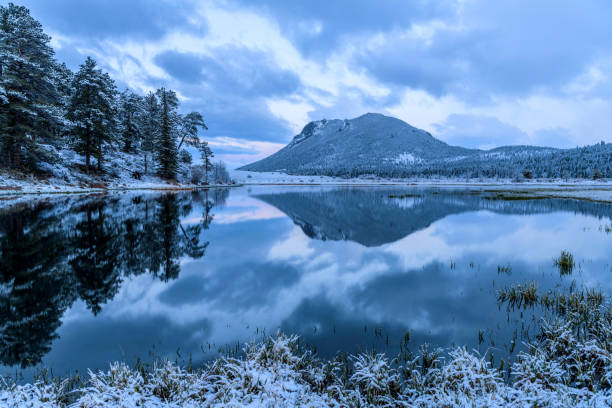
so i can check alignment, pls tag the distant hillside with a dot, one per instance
(388, 147)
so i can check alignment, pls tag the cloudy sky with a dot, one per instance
(473, 73)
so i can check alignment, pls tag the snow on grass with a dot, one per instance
(277, 177)
(595, 190)
(570, 366)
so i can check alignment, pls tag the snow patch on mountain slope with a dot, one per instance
(405, 158)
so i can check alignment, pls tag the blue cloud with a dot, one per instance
(111, 18)
(249, 73)
(558, 137)
(513, 48)
(184, 67)
(319, 26)
(476, 131)
(230, 90)
(228, 150)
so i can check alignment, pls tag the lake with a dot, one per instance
(85, 280)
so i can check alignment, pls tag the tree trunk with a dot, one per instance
(99, 156)
(87, 149)
(145, 172)
(17, 155)
(180, 144)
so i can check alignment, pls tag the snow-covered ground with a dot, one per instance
(66, 180)
(66, 176)
(598, 190)
(254, 177)
(31, 185)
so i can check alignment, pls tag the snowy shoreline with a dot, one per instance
(14, 187)
(274, 178)
(594, 190)
(276, 373)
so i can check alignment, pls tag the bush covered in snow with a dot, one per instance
(570, 365)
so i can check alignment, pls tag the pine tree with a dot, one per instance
(92, 111)
(27, 89)
(207, 155)
(166, 147)
(149, 127)
(129, 112)
(62, 78)
(189, 128)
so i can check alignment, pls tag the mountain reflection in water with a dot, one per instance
(89, 279)
(373, 218)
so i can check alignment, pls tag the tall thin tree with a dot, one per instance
(167, 152)
(149, 127)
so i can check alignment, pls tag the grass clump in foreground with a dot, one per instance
(569, 365)
(565, 263)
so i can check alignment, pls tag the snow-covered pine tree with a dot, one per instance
(207, 155)
(129, 112)
(167, 153)
(149, 127)
(62, 78)
(190, 123)
(27, 89)
(92, 111)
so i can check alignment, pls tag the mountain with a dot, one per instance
(374, 144)
(370, 137)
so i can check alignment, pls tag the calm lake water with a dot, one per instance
(85, 280)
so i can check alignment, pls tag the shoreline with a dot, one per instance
(524, 191)
(592, 190)
(4, 192)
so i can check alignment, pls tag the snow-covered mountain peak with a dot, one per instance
(377, 144)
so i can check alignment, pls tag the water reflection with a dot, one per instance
(56, 253)
(90, 279)
(373, 217)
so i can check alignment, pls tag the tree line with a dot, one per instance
(588, 162)
(45, 107)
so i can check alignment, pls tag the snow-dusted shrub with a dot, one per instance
(535, 372)
(556, 338)
(466, 379)
(38, 394)
(196, 174)
(119, 385)
(423, 372)
(376, 379)
(469, 374)
(569, 366)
